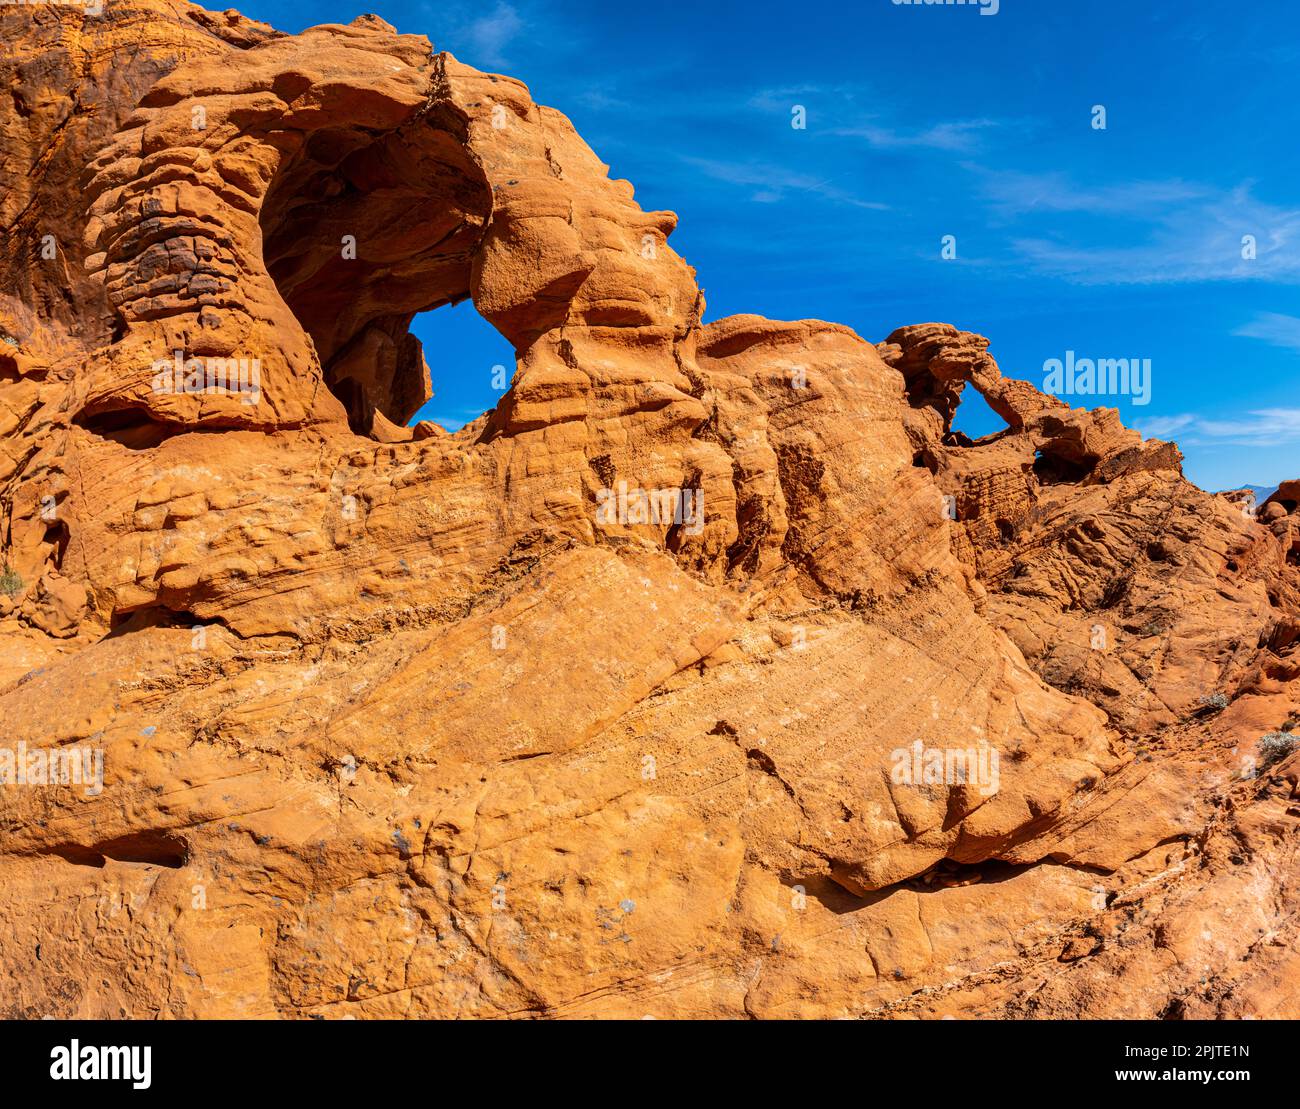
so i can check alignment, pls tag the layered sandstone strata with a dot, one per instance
(394, 722)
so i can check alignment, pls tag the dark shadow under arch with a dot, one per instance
(360, 234)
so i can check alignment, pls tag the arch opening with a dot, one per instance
(363, 232)
(974, 418)
(470, 362)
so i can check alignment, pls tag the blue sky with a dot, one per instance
(928, 121)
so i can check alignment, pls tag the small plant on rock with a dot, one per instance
(1215, 702)
(1276, 746)
(10, 582)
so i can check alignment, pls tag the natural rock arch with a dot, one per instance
(219, 217)
(362, 680)
(360, 233)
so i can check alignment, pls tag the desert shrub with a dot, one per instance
(10, 582)
(1276, 746)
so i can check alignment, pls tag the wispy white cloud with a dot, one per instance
(1260, 427)
(1013, 193)
(489, 35)
(1195, 232)
(773, 183)
(784, 97)
(598, 99)
(1274, 328)
(1265, 424)
(834, 110)
(1165, 427)
(455, 419)
(957, 136)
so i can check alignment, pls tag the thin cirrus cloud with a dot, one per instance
(456, 418)
(1165, 427)
(832, 108)
(958, 136)
(1261, 427)
(1011, 193)
(488, 36)
(772, 183)
(1194, 232)
(1275, 328)
(782, 99)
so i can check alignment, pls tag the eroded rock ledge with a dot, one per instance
(394, 724)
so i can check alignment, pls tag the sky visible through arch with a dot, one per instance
(931, 121)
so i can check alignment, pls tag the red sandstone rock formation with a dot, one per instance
(394, 723)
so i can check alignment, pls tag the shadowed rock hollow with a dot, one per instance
(396, 722)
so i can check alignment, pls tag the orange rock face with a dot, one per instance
(711, 674)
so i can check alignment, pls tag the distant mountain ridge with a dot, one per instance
(1262, 492)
